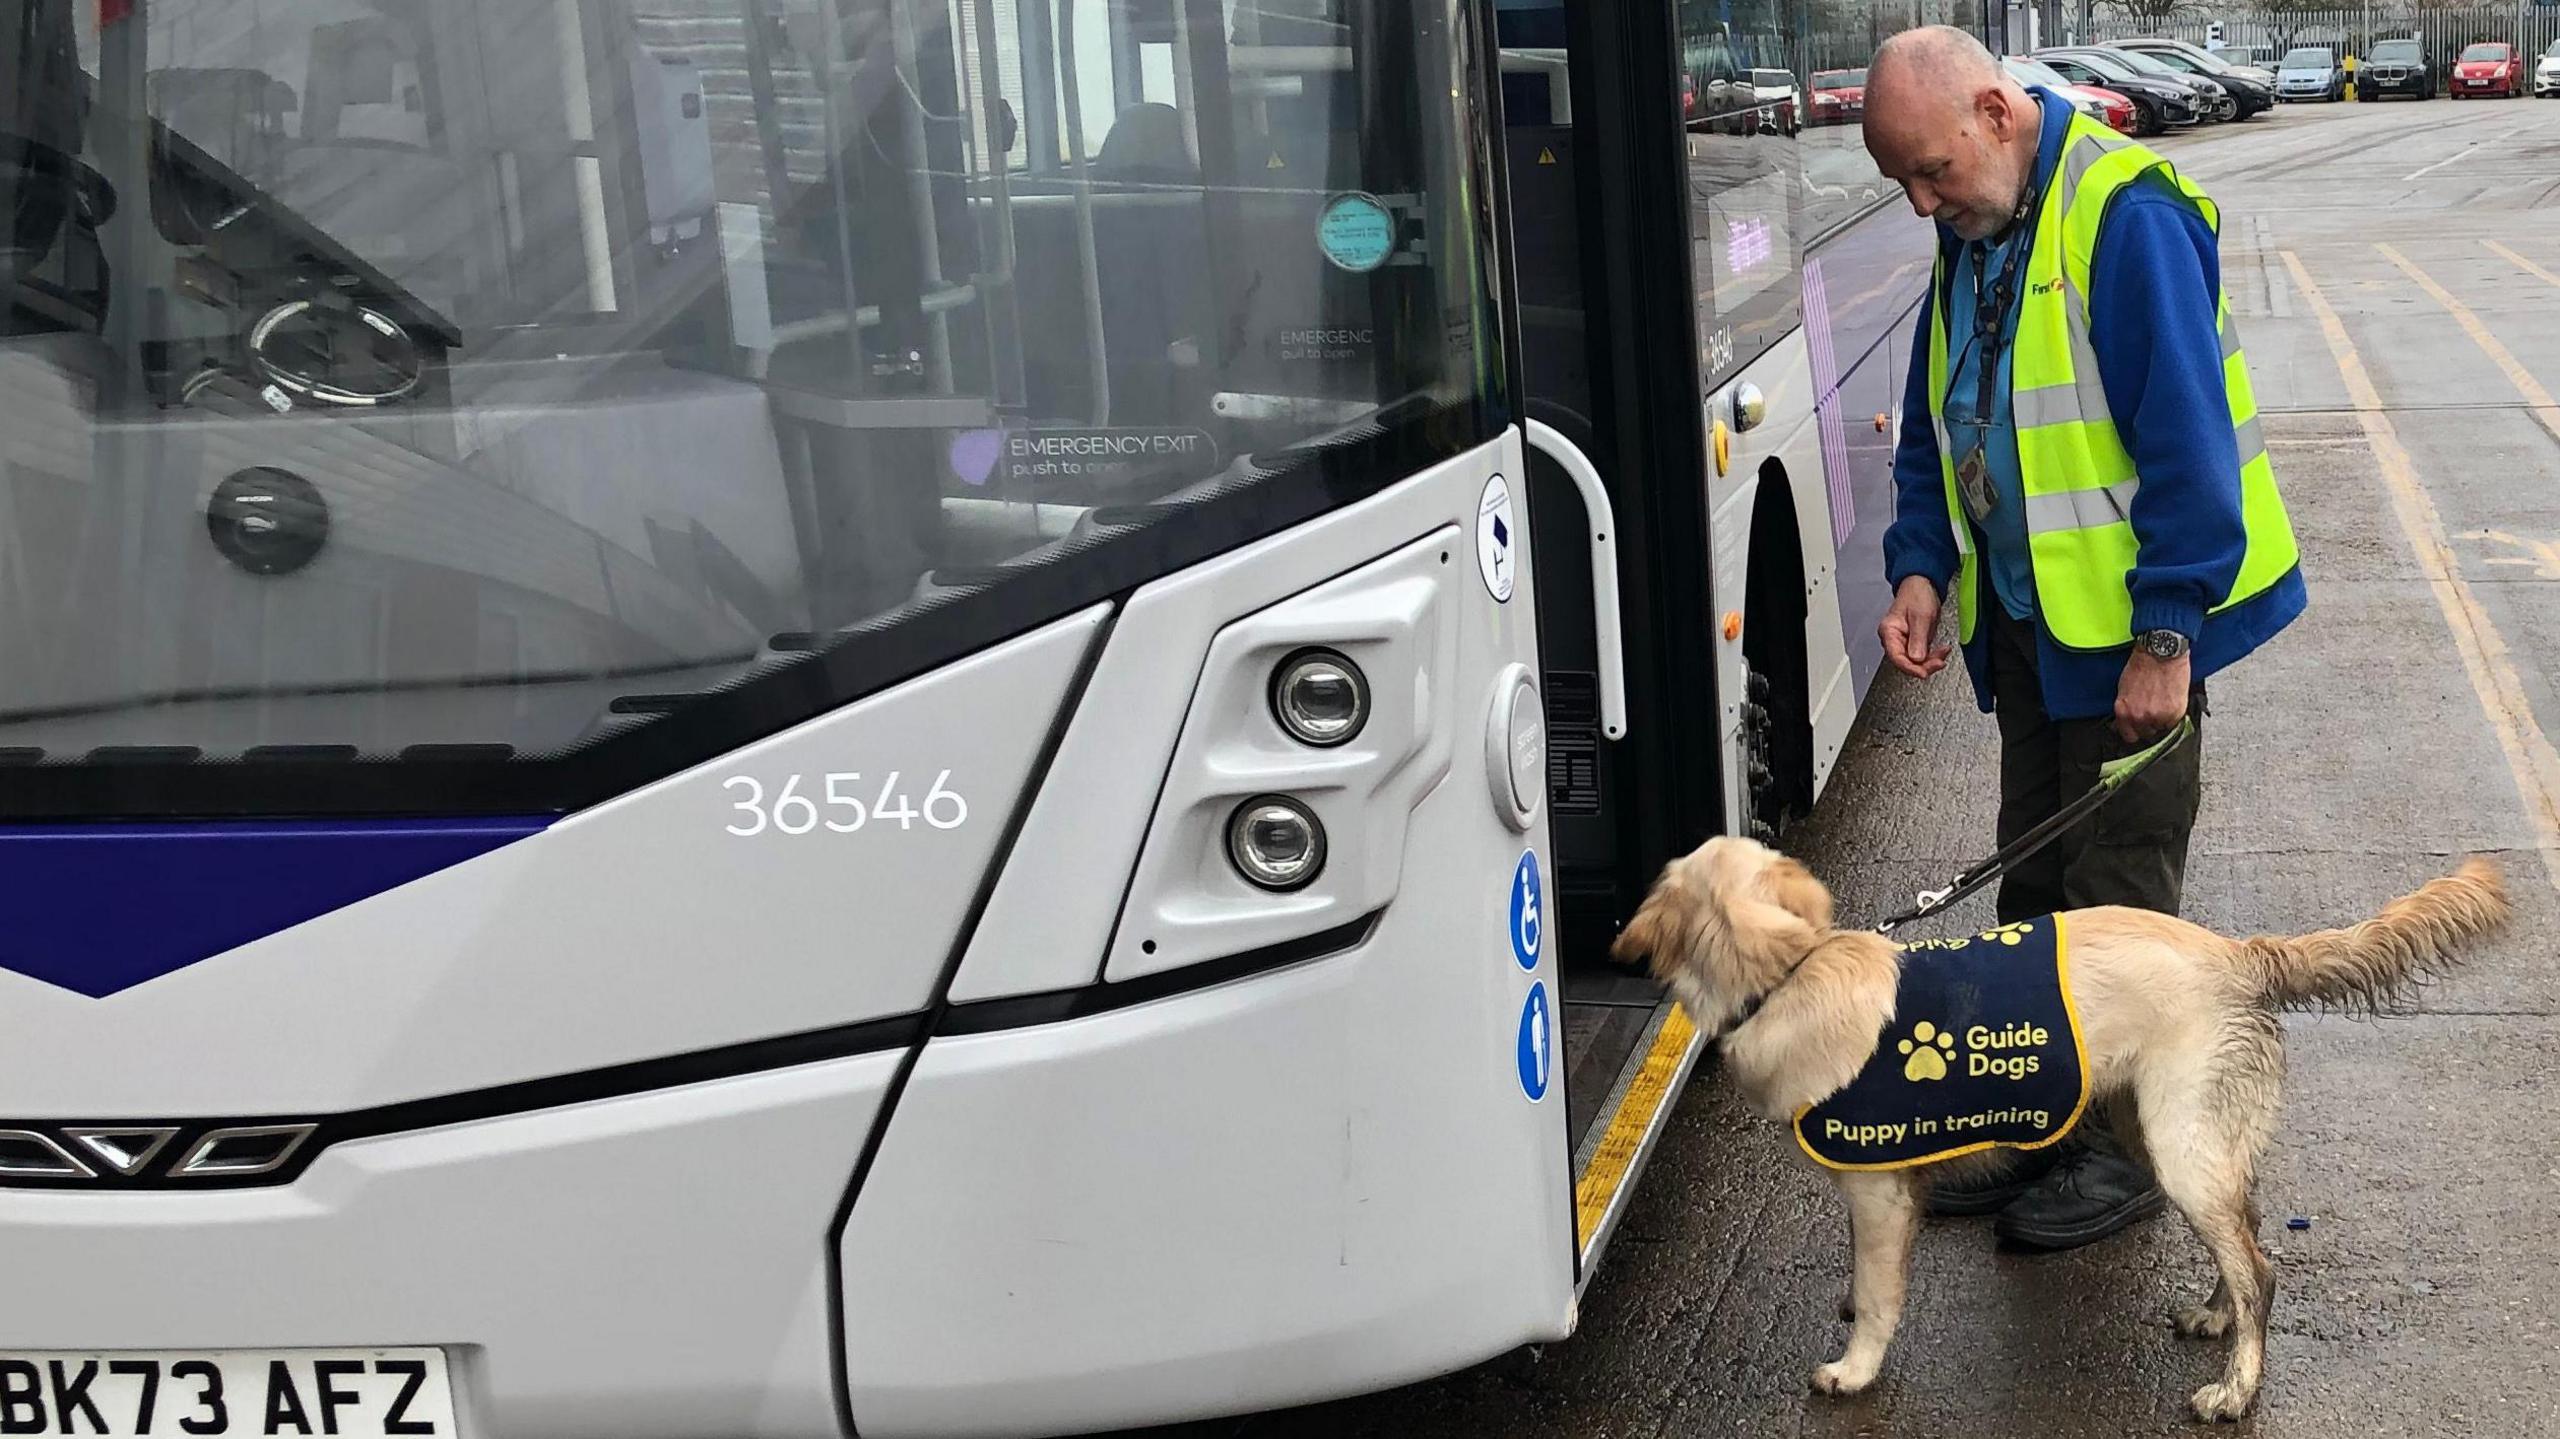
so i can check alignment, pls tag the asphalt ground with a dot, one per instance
(2396, 271)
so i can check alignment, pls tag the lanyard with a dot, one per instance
(1991, 312)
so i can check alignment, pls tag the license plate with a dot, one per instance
(349, 1393)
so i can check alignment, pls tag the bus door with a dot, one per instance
(1656, 221)
(1608, 367)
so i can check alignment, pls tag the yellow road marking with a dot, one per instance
(2543, 555)
(1619, 1144)
(2530, 757)
(2545, 408)
(2521, 263)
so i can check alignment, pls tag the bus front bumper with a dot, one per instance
(646, 1266)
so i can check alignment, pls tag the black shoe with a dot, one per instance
(1989, 1189)
(2086, 1196)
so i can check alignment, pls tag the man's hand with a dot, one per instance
(1909, 627)
(2151, 698)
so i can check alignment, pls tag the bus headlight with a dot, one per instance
(1276, 843)
(1320, 698)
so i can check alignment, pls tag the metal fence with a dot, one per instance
(2264, 36)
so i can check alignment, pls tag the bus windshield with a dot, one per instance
(512, 401)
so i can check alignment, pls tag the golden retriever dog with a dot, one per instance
(2178, 1025)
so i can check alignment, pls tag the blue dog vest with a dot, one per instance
(1984, 1050)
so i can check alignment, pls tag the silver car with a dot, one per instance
(2310, 72)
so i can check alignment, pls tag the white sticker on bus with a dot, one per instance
(791, 812)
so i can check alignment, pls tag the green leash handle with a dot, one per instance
(2113, 776)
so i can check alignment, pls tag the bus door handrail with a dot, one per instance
(1603, 523)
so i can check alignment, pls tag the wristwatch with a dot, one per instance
(2162, 644)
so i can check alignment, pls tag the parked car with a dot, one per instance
(1781, 110)
(2158, 104)
(2253, 64)
(2396, 67)
(2215, 62)
(2247, 97)
(2310, 72)
(1839, 97)
(1715, 88)
(2491, 67)
(2208, 102)
(2546, 72)
(2102, 105)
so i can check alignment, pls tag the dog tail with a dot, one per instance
(2362, 967)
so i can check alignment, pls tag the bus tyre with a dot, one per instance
(1766, 806)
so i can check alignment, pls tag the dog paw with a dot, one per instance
(2202, 1321)
(1838, 1378)
(2219, 1403)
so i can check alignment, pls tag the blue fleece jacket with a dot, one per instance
(2153, 283)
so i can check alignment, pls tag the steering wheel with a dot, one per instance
(335, 350)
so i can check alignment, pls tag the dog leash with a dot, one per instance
(2113, 776)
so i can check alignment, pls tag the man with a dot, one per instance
(2080, 466)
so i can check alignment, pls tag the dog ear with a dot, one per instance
(1660, 927)
(1816, 1031)
(1771, 940)
(1798, 892)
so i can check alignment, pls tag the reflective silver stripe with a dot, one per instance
(2090, 398)
(2084, 351)
(2081, 509)
(2085, 151)
(2045, 405)
(2252, 436)
(2085, 398)
(2230, 338)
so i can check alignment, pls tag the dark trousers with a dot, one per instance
(2133, 851)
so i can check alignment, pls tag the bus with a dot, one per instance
(885, 717)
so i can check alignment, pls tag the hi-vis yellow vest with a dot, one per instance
(2079, 481)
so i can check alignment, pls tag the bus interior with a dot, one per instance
(576, 359)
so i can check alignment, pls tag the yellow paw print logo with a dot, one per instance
(1929, 1048)
(2009, 934)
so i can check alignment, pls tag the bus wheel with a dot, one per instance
(1777, 719)
(1767, 808)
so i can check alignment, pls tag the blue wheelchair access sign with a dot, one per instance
(1528, 911)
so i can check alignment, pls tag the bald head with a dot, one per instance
(1947, 123)
(1937, 64)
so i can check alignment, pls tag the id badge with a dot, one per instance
(1973, 483)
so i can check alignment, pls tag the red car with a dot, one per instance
(1839, 97)
(2491, 67)
(2121, 116)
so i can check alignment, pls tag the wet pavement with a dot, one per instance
(2401, 722)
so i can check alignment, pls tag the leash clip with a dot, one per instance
(2113, 776)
